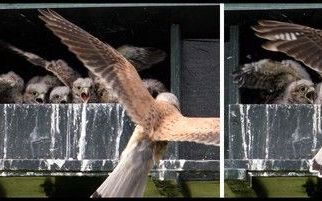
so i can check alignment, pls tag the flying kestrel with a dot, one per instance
(300, 42)
(158, 120)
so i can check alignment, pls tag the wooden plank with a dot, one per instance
(231, 64)
(274, 131)
(175, 60)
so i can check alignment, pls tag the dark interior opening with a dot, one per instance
(250, 45)
(138, 26)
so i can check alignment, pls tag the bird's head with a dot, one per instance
(301, 92)
(83, 89)
(14, 80)
(169, 98)
(60, 94)
(36, 93)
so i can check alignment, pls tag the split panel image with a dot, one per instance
(109, 100)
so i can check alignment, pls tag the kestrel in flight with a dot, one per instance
(300, 42)
(158, 120)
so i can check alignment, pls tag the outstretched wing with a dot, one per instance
(63, 71)
(300, 42)
(59, 68)
(199, 130)
(104, 61)
(142, 57)
(269, 75)
(32, 58)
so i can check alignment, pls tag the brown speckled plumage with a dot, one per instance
(300, 42)
(157, 119)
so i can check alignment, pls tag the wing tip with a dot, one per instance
(96, 195)
(270, 46)
(260, 24)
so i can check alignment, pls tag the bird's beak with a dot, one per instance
(85, 95)
(63, 101)
(311, 95)
(40, 98)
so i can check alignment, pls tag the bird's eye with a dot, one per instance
(78, 87)
(302, 88)
(56, 96)
(35, 93)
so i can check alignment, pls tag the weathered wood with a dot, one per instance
(175, 60)
(277, 138)
(77, 139)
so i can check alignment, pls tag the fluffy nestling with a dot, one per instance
(141, 57)
(11, 88)
(60, 94)
(38, 89)
(285, 82)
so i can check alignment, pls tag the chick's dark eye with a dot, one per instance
(34, 93)
(56, 96)
(302, 88)
(78, 88)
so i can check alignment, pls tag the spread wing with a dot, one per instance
(59, 68)
(104, 61)
(300, 42)
(63, 71)
(32, 58)
(199, 130)
(269, 75)
(142, 57)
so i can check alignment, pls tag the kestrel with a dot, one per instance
(304, 44)
(11, 88)
(83, 90)
(285, 82)
(141, 57)
(158, 120)
(38, 89)
(60, 94)
(300, 42)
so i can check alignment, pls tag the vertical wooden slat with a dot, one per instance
(232, 64)
(231, 91)
(175, 59)
(175, 62)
